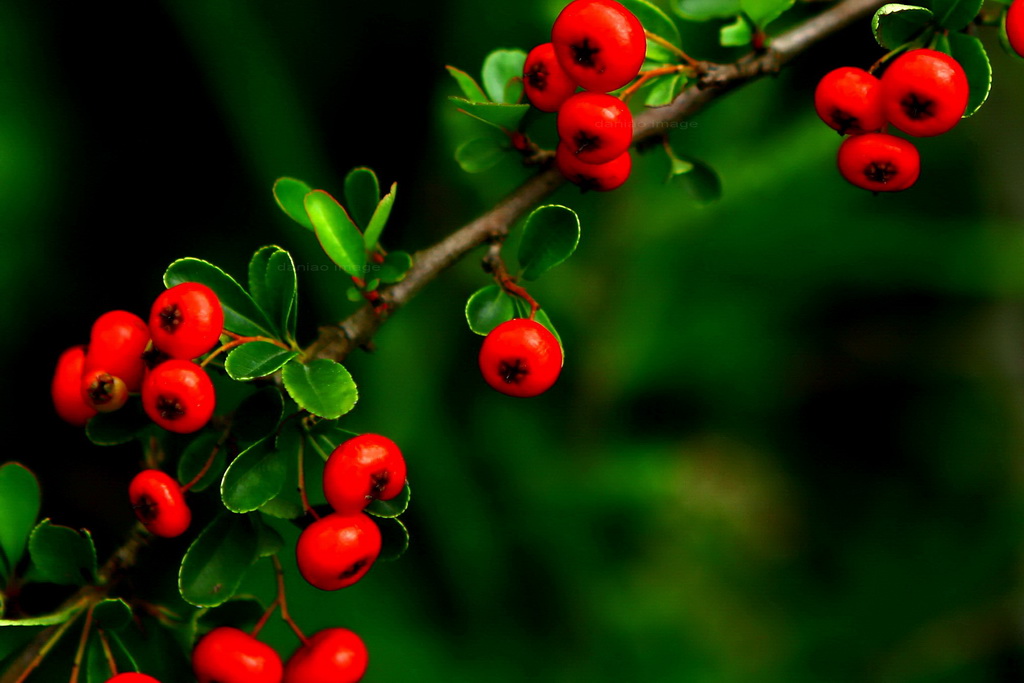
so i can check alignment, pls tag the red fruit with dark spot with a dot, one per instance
(159, 503)
(596, 177)
(229, 655)
(336, 551)
(103, 391)
(597, 128)
(178, 395)
(599, 43)
(186, 320)
(66, 388)
(545, 82)
(520, 357)
(116, 344)
(924, 92)
(850, 100)
(362, 469)
(879, 162)
(334, 655)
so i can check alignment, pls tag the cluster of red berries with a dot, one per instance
(922, 93)
(597, 45)
(521, 357)
(126, 355)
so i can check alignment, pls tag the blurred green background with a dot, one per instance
(786, 444)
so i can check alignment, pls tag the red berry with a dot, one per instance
(546, 84)
(116, 344)
(597, 177)
(336, 550)
(520, 357)
(132, 677)
(178, 395)
(66, 388)
(924, 92)
(361, 469)
(334, 655)
(228, 655)
(159, 503)
(103, 391)
(1015, 26)
(599, 43)
(186, 320)
(595, 127)
(879, 162)
(850, 100)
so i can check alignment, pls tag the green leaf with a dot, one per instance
(195, 457)
(97, 669)
(500, 67)
(323, 387)
(736, 34)
(702, 182)
(288, 193)
(258, 415)
(505, 117)
(971, 55)
(270, 540)
(678, 167)
(394, 538)
(895, 24)
(282, 508)
(121, 652)
(112, 613)
(664, 90)
(329, 435)
(62, 555)
(487, 308)
(380, 218)
(396, 265)
(353, 294)
(764, 12)
(705, 10)
(955, 15)
(272, 284)
(241, 611)
(217, 560)
(657, 22)
(550, 237)
(338, 235)
(241, 314)
(480, 154)
(118, 427)
(254, 477)
(362, 192)
(544, 320)
(19, 507)
(45, 619)
(256, 359)
(390, 508)
(470, 88)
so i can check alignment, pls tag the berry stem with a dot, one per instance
(302, 480)
(238, 340)
(108, 654)
(283, 601)
(494, 264)
(690, 61)
(648, 75)
(209, 462)
(80, 652)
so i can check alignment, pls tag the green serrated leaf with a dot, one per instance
(894, 24)
(338, 235)
(258, 416)
(664, 90)
(394, 538)
(118, 427)
(323, 387)
(256, 359)
(396, 265)
(254, 477)
(195, 457)
(658, 23)
(970, 53)
(112, 613)
(241, 314)
(390, 508)
(505, 117)
(380, 218)
(62, 555)
(500, 67)
(288, 193)
(19, 507)
(550, 237)
(705, 10)
(487, 308)
(217, 561)
(282, 280)
(736, 34)
(955, 15)
(480, 154)
(470, 88)
(362, 192)
(764, 12)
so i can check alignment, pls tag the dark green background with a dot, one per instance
(786, 444)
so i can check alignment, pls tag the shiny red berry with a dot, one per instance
(545, 82)
(924, 92)
(850, 100)
(186, 320)
(159, 503)
(337, 550)
(599, 43)
(178, 395)
(334, 655)
(362, 469)
(116, 344)
(597, 128)
(597, 177)
(66, 388)
(103, 391)
(1015, 26)
(228, 655)
(879, 162)
(520, 357)
(132, 677)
